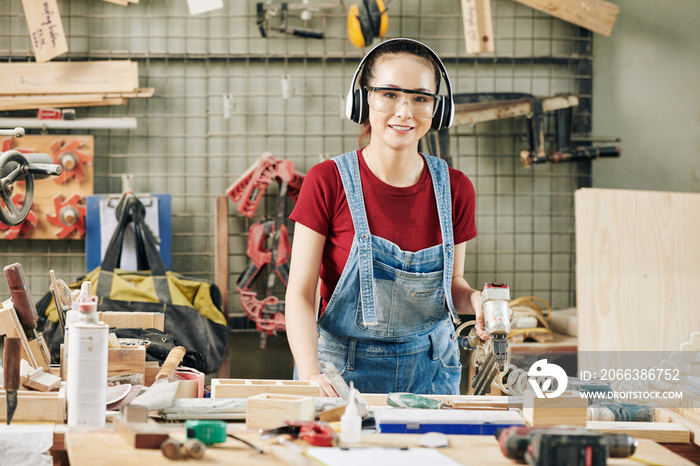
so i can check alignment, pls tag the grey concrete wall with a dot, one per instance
(646, 90)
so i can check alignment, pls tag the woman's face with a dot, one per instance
(401, 129)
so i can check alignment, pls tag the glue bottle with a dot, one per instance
(350, 422)
(87, 368)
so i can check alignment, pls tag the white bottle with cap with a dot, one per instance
(351, 422)
(87, 368)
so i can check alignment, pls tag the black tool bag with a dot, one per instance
(192, 307)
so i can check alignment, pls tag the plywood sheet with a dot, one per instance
(637, 269)
(597, 15)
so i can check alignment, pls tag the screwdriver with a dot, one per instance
(411, 400)
(11, 358)
(22, 299)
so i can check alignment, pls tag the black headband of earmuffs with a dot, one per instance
(356, 108)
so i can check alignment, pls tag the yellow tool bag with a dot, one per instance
(192, 307)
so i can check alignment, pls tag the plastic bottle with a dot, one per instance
(87, 368)
(350, 422)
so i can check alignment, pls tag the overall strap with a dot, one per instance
(349, 169)
(441, 184)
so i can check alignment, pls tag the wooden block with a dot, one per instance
(133, 319)
(75, 77)
(42, 381)
(662, 432)
(478, 26)
(271, 410)
(639, 251)
(140, 434)
(45, 29)
(597, 15)
(39, 354)
(126, 360)
(244, 388)
(569, 408)
(152, 368)
(36, 406)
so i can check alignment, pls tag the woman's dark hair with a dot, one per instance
(394, 47)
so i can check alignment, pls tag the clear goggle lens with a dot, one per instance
(389, 100)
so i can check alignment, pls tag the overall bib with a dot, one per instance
(388, 325)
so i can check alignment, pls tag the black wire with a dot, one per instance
(246, 442)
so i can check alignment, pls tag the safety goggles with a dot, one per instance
(390, 99)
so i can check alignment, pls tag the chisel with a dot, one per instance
(11, 358)
(22, 299)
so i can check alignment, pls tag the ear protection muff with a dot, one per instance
(357, 108)
(366, 21)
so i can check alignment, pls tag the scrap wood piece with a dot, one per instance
(37, 379)
(45, 29)
(478, 112)
(478, 26)
(597, 15)
(113, 76)
(663, 432)
(12, 328)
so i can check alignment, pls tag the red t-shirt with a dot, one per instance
(405, 216)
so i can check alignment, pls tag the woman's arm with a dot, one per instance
(300, 305)
(466, 299)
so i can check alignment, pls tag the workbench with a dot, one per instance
(105, 448)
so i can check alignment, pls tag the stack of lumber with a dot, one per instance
(26, 86)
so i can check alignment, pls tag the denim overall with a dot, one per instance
(387, 327)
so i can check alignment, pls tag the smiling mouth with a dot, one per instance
(401, 128)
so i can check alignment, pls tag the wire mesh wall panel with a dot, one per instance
(224, 95)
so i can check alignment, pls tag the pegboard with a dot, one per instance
(224, 95)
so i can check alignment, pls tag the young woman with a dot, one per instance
(385, 228)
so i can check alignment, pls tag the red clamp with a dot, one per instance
(250, 187)
(315, 433)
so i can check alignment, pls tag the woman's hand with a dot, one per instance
(326, 385)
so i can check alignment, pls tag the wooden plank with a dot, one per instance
(664, 432)
(36, 406)
(126, 361)
(478, 26)
(569, 408)
(133, 319)
(140, 434)
(12, 328)
(597, 15)
(29, 102)
(245, 388)
(666, 415)
(221, 267)
(471, 114)
(45, 29)
(637, 263)
(68, 77)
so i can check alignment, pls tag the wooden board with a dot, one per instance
(244, 388)
(77, 77)
(473, 113)
(637, 269)
(127, 360)
(133, 319)
(45, 29)
(597, 15)
(12, 328)
(221, 267)
(36, 406)
(106, 448)
(37, 225)
(663, 432)
(569, 408)
(478, 26)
